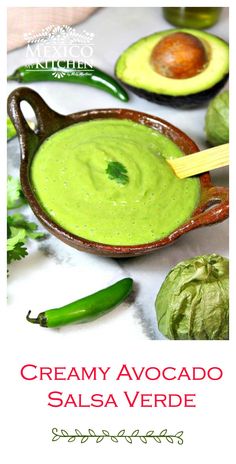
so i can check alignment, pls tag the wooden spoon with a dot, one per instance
(202, 161)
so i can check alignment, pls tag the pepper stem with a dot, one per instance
(16, 76)
(12, 77)
(33, 320)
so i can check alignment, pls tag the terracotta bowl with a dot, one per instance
(214, 201)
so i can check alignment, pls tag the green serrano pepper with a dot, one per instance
(86, 309)
(66, 72)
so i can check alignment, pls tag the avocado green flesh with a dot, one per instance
(71, 181)
(134, 68)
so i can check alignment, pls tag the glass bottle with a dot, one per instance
(193, 17)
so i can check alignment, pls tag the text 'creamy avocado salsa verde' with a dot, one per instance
(108, 181)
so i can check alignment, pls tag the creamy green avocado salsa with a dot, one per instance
(108, 181)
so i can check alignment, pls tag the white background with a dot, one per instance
(27, 420)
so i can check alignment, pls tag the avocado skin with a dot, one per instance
(182, 102)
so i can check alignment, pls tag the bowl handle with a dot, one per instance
(48, 121)
(214, 206)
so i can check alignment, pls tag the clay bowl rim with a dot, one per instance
(213, 204)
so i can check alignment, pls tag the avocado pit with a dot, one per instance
(179, 56)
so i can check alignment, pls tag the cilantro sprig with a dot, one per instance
(19, 229)
(15, 197)
(118, 172)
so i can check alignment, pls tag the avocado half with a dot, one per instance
(134, 70)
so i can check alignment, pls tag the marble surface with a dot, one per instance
(54, 273)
